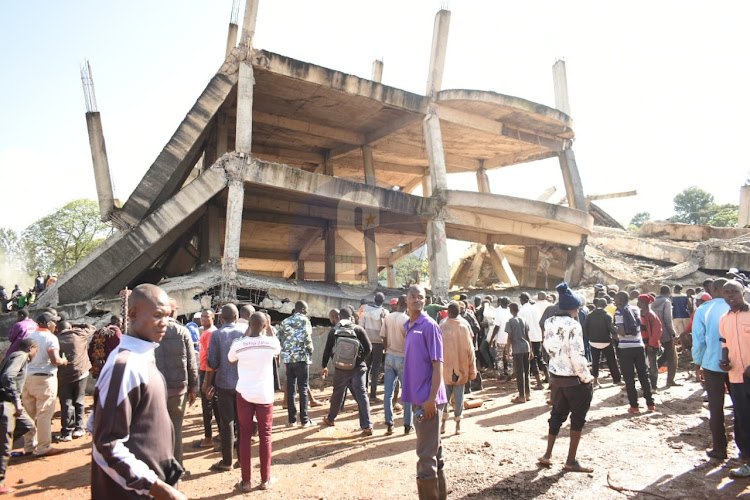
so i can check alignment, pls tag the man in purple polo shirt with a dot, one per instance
(423, 388)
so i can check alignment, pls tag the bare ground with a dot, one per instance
(661, 454)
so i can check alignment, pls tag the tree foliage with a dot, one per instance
(696, 206)
(406, 267)
(56, 242)
(639, 218)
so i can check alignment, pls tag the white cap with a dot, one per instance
(197, 315)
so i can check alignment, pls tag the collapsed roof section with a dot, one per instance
(287, 169)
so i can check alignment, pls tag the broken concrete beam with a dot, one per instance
(629, 243)
(501, 265)
(689, 232)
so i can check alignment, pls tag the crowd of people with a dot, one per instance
(432, 351)
(18, 299)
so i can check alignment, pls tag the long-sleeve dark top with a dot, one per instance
(175, 359)
(12, 377)
(74, 343)
(366, 345)
(600, 326)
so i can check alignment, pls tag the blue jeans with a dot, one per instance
(458, 393)
(297, 375)
(394, 368)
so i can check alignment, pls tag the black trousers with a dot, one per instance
(716, 383)
(632, 361)
(228, 413)
(72, 405)
(210, 408)
(521, 366)
(571, 400)
(609, 353)
(537, 364)
(11, 428)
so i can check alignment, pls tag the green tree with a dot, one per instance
(639, 218)
(723, 215)
(10, 244)
(56, 242)
(692, 206)
(405, 268)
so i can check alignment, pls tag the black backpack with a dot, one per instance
(347, 347)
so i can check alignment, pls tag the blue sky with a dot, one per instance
(658, 90)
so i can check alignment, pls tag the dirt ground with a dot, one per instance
(495, 457)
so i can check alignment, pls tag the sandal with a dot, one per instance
(6, 489)
(577, 467)
(545, 462)
(220, 466)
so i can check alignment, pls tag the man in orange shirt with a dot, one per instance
(734, 326)
(209, 403)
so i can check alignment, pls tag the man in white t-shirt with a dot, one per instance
(500, 339)
(254, 353)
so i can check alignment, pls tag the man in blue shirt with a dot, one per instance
(706, 356)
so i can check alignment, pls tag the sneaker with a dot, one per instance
(407, 429)
(651, 409)
(291, 424)
(309, 423)
(389, 429)
(78, 433)
(674, 384)
(743, 471)
(64, 439)
(268, 484)
(367, 432)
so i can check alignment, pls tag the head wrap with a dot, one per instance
(569, 301)
(646, 298)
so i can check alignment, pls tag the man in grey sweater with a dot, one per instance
(176, 361)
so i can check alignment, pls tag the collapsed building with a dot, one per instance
(289, 181)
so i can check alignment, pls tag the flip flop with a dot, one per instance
(5, 489)
(221, 466)
(545, 462)
(577, 467)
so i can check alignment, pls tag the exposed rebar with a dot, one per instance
(88, 87)
(235, 16)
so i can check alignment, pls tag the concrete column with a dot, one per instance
(483, 181)
(437, 53)
(244, 134)
(231, 38)
(437, 250)
(327, 164)
(377, 71)
(371, 257)
(560, 79)
(329, 234)
(426, 185)
(572, 179)
(300, 270)
(369, 165)
(233, 230)
(435, 154)
(214, 234)
(102, 176)
(574, 264)
(248, 23)
(391, 276)
(530, 265)
(744, 213)
(222, 133)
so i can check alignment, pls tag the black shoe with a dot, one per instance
(389, 429)
(407, 429)
(717, 454)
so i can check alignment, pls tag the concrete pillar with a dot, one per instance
(391, 276)
(300, 270)
(233, 230)
(222, 134)
(744, 213)
(377, 71)
(102, 176)
(437, 250)
(530, 265)
(560, 79)
(575, 263)
(483, 181)
(244, 131)
(214, 234)
(329, 235)
(572, 179)
(327, 164)
(435, 153)
(426, 185)
(248, 23)
(369, 165)
(437, 53)
(231, 38)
